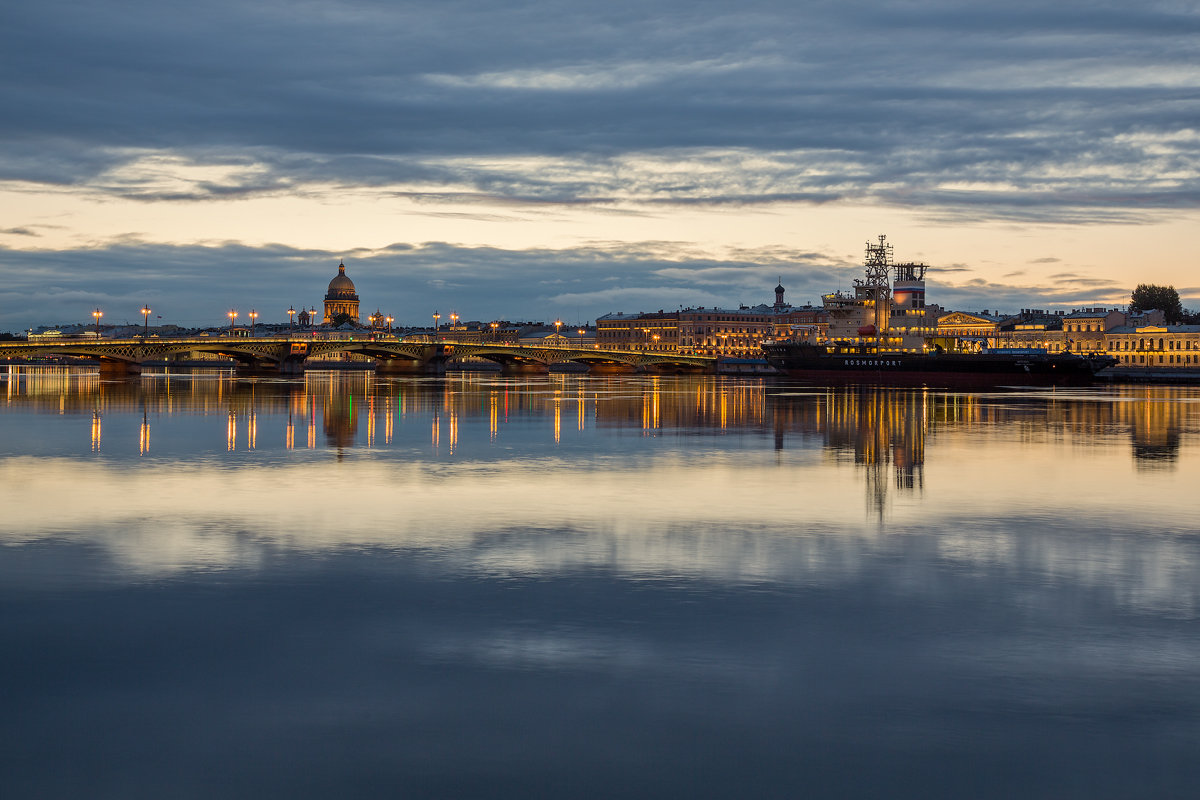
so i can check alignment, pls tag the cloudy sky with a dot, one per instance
(558, 158)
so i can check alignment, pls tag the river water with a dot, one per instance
(567, 586)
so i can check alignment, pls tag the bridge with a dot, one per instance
(288, 355)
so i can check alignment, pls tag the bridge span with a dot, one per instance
(290, 355)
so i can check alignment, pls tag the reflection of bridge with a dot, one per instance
(288, 354)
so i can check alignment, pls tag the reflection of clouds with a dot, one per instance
(743, 518)
(516, 648)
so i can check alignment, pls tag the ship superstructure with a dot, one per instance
(885, 311)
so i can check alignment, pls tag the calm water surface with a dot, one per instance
(592, 587)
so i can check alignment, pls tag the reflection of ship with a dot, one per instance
(882, 429)
(881, 332)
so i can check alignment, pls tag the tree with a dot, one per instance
(1148, 296)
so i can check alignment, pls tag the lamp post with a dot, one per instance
(390, 320)
(312, 316)
(655, 347)
(232, 318)
(557, 326)
(436, 317)
(96, 315)
(291, 317)
(253, 319)
(581, 331)
(495, 333)
(145, 321)
(453, 320)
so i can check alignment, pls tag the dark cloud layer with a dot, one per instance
(1057, 107)
(197, 285)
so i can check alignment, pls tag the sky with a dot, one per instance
(562, 159)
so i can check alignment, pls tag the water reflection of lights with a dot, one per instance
(878, 428)
(95, 431)
(370, 421)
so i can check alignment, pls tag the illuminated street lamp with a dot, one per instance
(97, 314)
(557, 326)
(291, 312)
(581, 333)
(232, 319)
(145, 321)
(312, 316)
(655, 342)
(436, 317)
(453, 320)
(495, 332)
(389, 322)
(253, 318)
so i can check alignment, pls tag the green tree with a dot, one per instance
(1149, 296)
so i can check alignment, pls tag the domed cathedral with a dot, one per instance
(341, 297)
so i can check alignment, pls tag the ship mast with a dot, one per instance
(878, 265)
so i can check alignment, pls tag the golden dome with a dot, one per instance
(341, 287)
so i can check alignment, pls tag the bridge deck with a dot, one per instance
(288, 353)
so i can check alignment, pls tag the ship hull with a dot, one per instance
(807, 362)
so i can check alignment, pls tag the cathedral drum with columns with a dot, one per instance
(341, 298)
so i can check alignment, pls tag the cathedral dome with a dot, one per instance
(341, 287)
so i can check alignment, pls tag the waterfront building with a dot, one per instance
(736, 332)
(1159, 346)
(1033, 329)
(1084, 329)
(966, 329)
(341, 298)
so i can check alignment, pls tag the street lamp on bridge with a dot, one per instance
(436, 317)
(390, 320)
(291, 312)
(495, 333)
(581, 332)
(97, 314)
(453, 320)
(253, 319)
(145, 321)
(232, 319)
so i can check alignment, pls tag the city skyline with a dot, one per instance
(564, 160)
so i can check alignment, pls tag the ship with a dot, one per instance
(880, 332)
